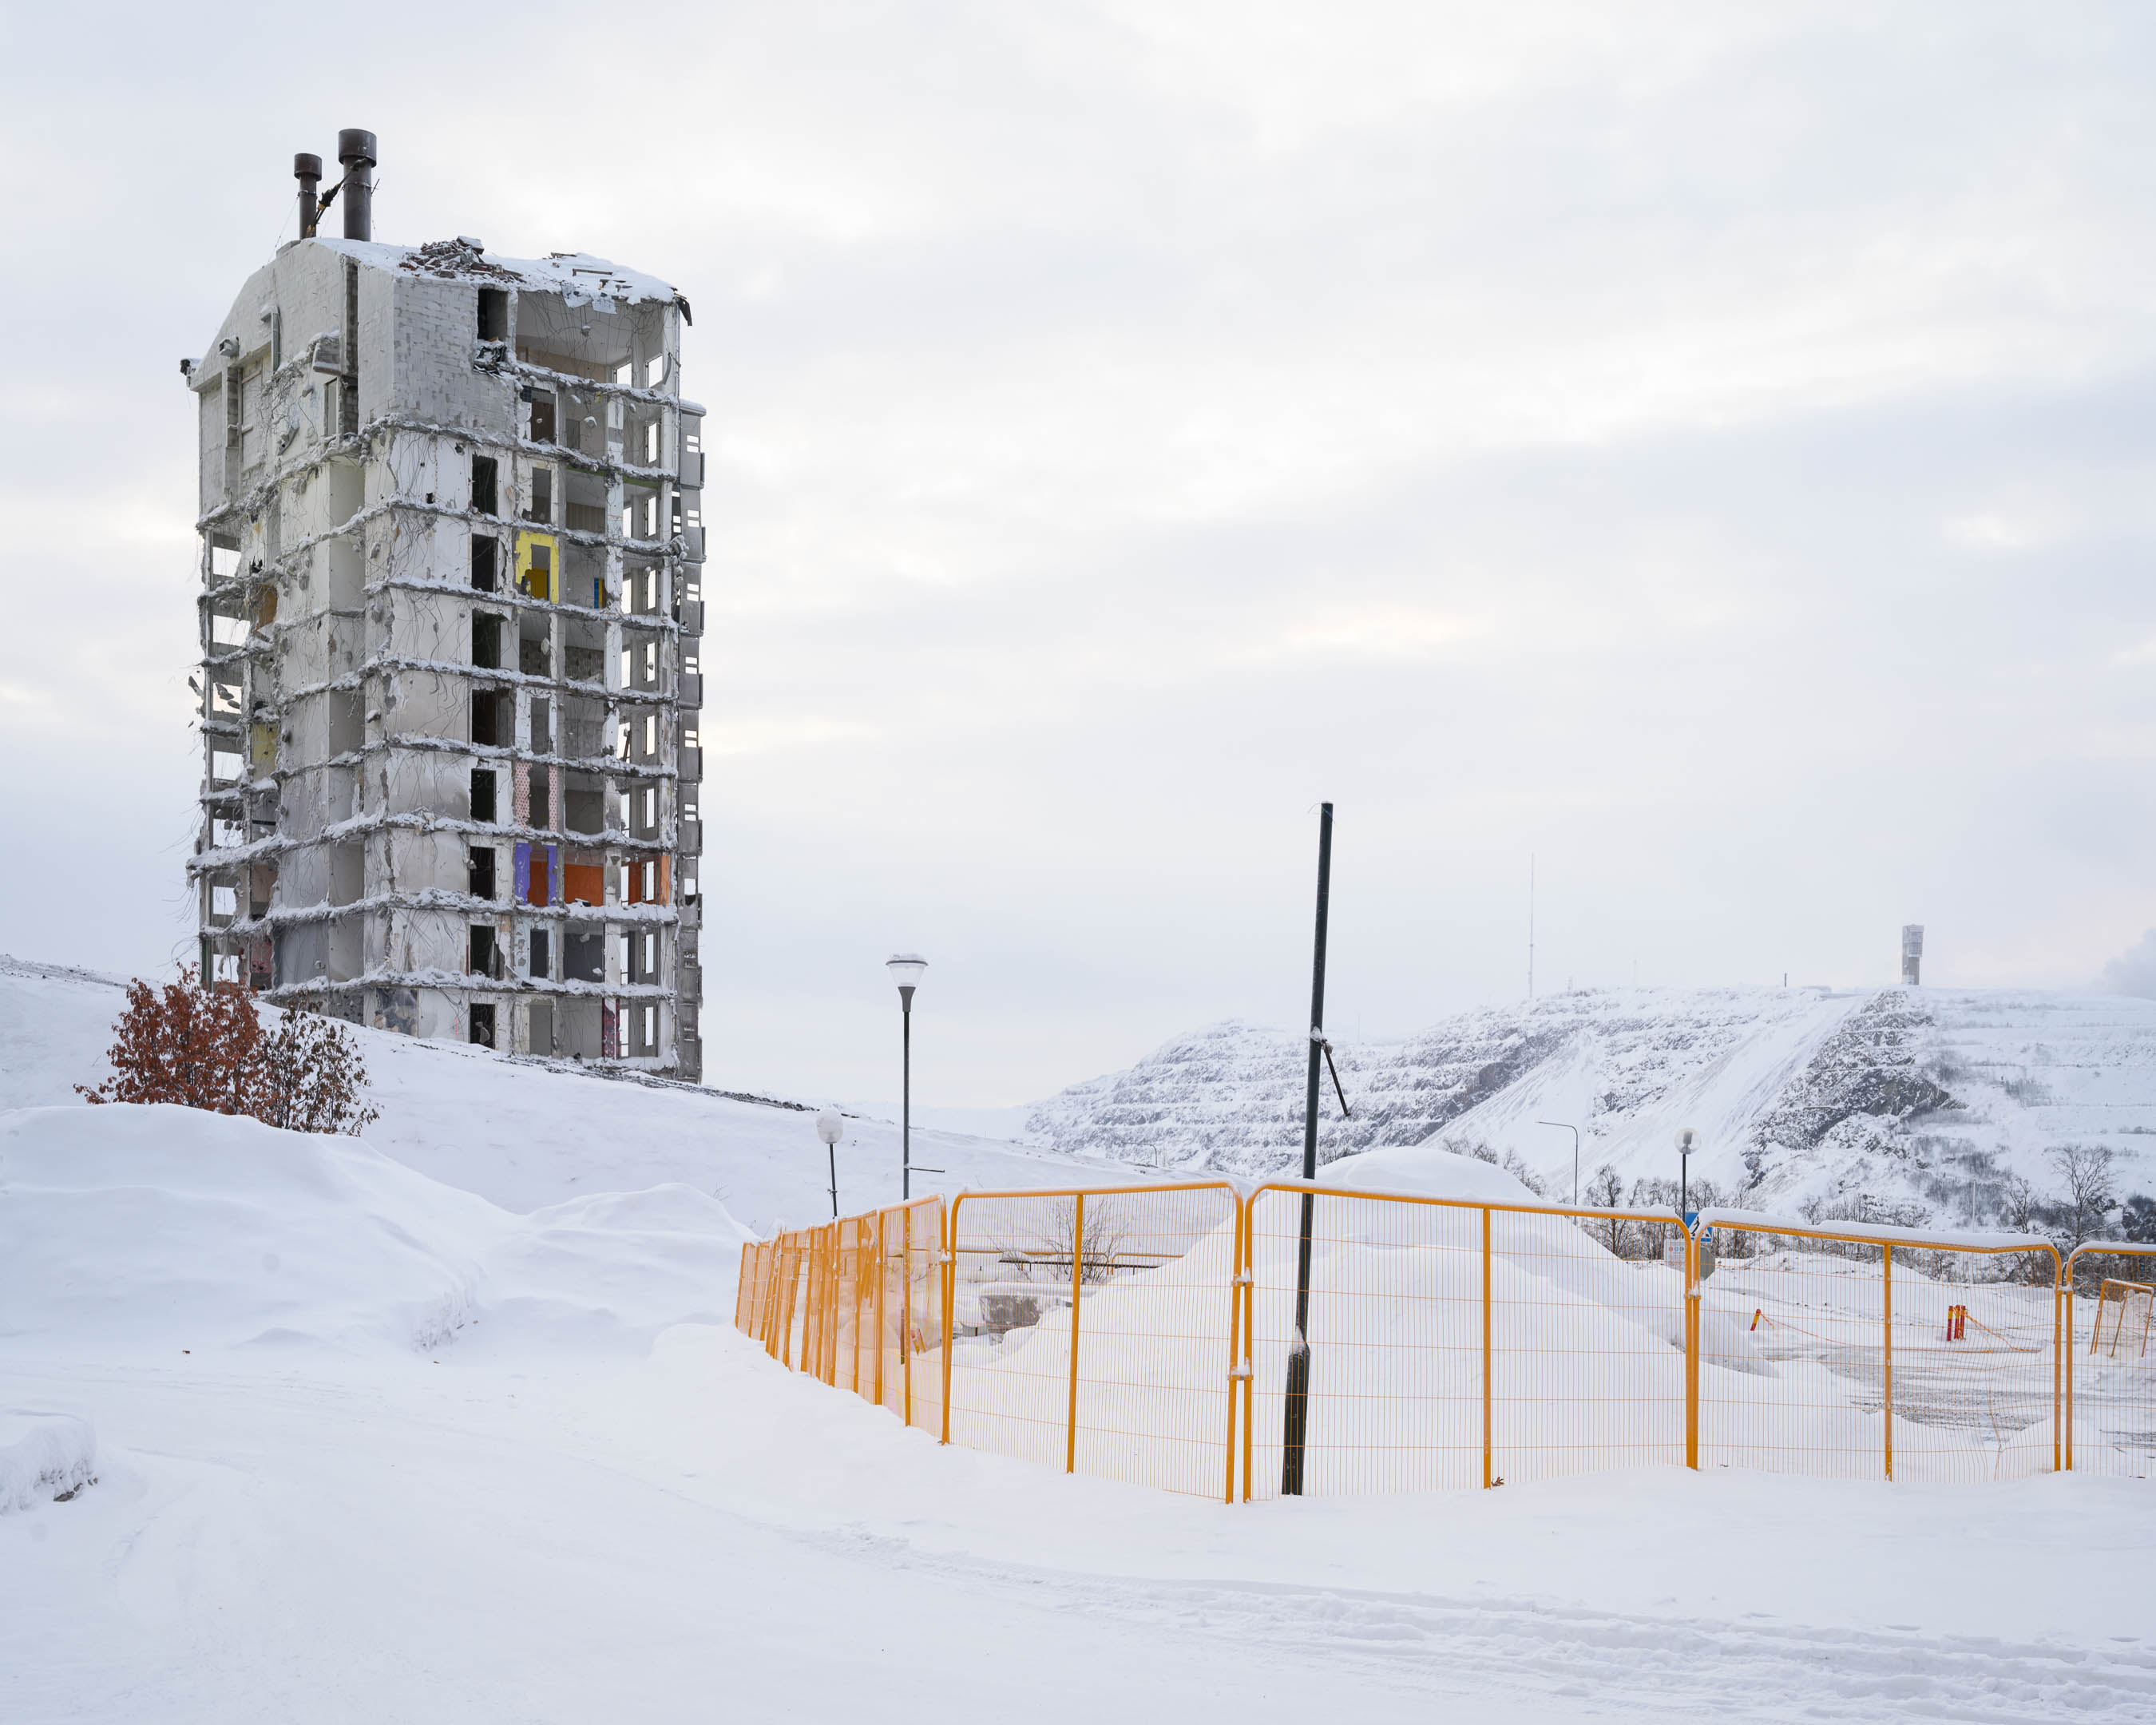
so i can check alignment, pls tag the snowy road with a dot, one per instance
(474, 1541)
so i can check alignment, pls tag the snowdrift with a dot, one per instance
(127, 1229)
(43, 1456)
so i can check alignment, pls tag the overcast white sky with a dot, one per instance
(1707, 449)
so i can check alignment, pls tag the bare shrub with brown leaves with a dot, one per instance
(205, 1048)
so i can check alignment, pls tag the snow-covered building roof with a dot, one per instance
(580, 278)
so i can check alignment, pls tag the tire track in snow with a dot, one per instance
(1624, 1660)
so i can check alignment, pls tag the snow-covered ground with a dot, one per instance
(526, 1136)
(448, 1424)
(1915, 1102)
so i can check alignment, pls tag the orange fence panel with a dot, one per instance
(857, 1303)
(2111, 1360)
(1093, 1331)
(1857, 1352)
(1455, 1344)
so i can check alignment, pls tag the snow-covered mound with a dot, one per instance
(1916, 1104)
(127, 1229)
(44, 1457)
(526, 1136)
(1429, 1170)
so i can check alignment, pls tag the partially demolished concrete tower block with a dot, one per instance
(451, 611)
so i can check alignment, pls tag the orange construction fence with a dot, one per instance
(2109, 1291)
(1303, 1339)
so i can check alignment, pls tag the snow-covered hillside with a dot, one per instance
(525, 1136)
(1915, 1103)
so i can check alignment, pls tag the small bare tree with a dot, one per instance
(1043, 1253)
(1097, 1250)
(1514, 1165)
(2088, 1191)
(1605, 1192)
(311, 1078)
(1654, 1195)
(2019, 1207)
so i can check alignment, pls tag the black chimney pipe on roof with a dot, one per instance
(307, 170)
(355, 151)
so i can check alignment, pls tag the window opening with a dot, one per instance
(535, 565)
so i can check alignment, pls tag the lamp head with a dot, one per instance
(829, 1126)
(1684, 1142)
(906, 970)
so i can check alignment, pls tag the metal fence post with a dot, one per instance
(882, 1276)
(853, 1304)
(812, 1351)
(1692, 1350)
(1248, 1269)
(2066, 1350)
(828, 1359)
(950, 1270)
(906, 1321)
(789, 1279)
(2059, 1294)
(1886, 1373)
(770, 1338)
(1488, 1470)
(1077, 1259)
(1236, 1374)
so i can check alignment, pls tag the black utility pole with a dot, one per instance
(1298, 1359)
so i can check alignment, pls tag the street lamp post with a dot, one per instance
(1567, 1126)
(906, 970)
(1684, 1175)
(830, 1128)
